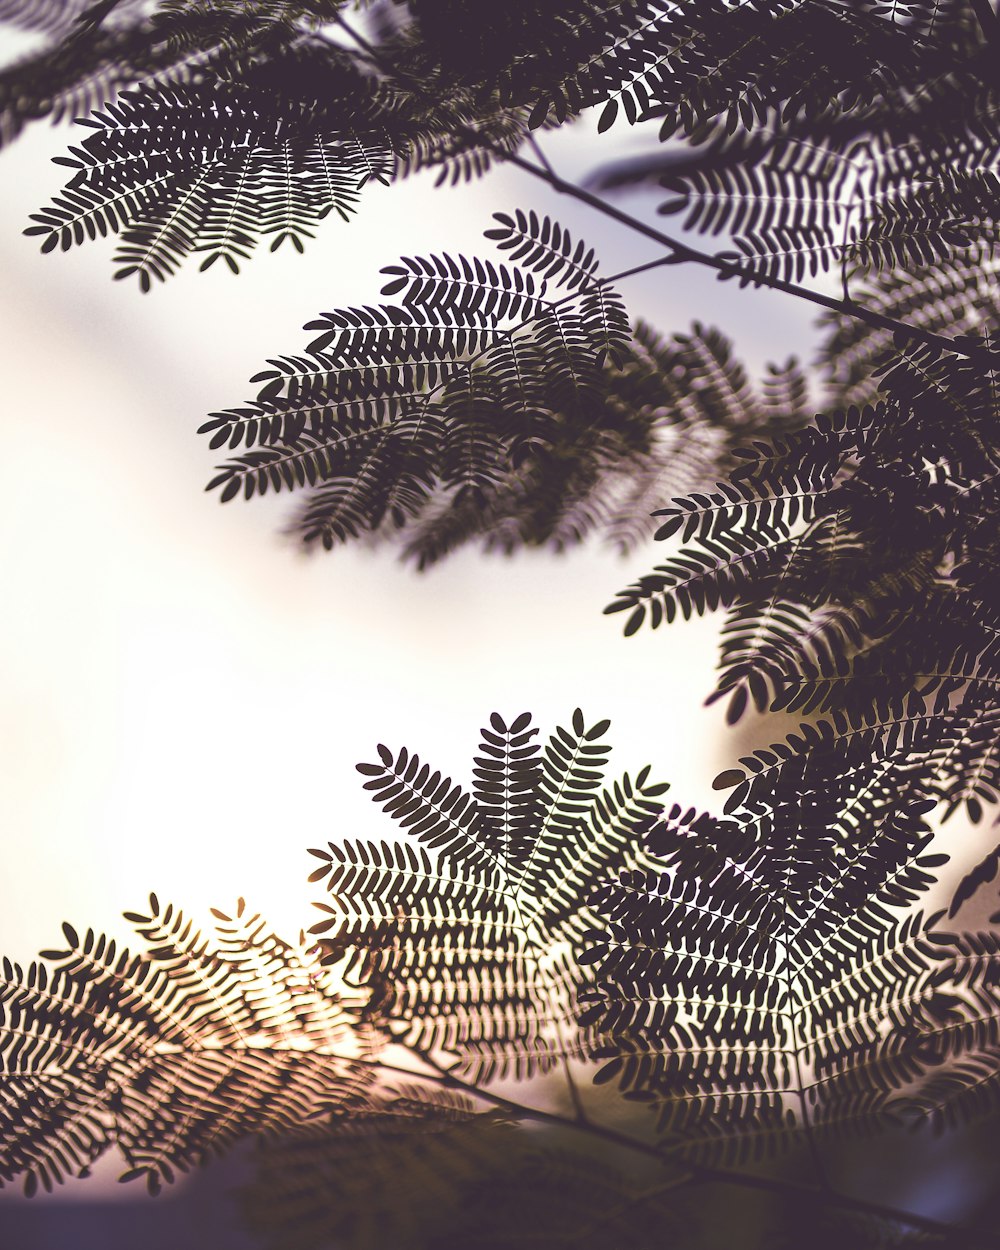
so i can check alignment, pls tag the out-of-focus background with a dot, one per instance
(183, 695)
(185, 692)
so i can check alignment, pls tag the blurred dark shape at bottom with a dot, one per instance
(200, 1213)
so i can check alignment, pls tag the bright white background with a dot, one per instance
(184, 694)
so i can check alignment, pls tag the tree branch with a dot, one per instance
(680, 252)
(696, 1173)
(726, 269)
(988, 22)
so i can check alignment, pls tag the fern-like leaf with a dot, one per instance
(474, 948)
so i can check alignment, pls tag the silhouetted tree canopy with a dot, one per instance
(761, 979)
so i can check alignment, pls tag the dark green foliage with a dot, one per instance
(393, 1175)
(565, 1200)
(436, 1176)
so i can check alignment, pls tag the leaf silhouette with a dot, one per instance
(766, 981)
(469, 930)
(172, 1053)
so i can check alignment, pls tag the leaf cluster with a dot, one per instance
(172, 1053)
(854, 560)
(766, 980)
(866, 147)
(471, 937)
(510, 402)
(755, 979)
(761, 978)
(817, 136)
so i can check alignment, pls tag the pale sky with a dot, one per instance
(185, 694)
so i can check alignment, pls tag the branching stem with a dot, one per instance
(580, 1111)
(680, 252)
(543, 160)
(690, 1173)
(988, 21)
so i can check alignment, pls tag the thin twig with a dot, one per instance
(696, 1173)
(989, 24)
(580, 1112)
(543, 160)
(681, 252)
(91, 20)
(727, 269)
